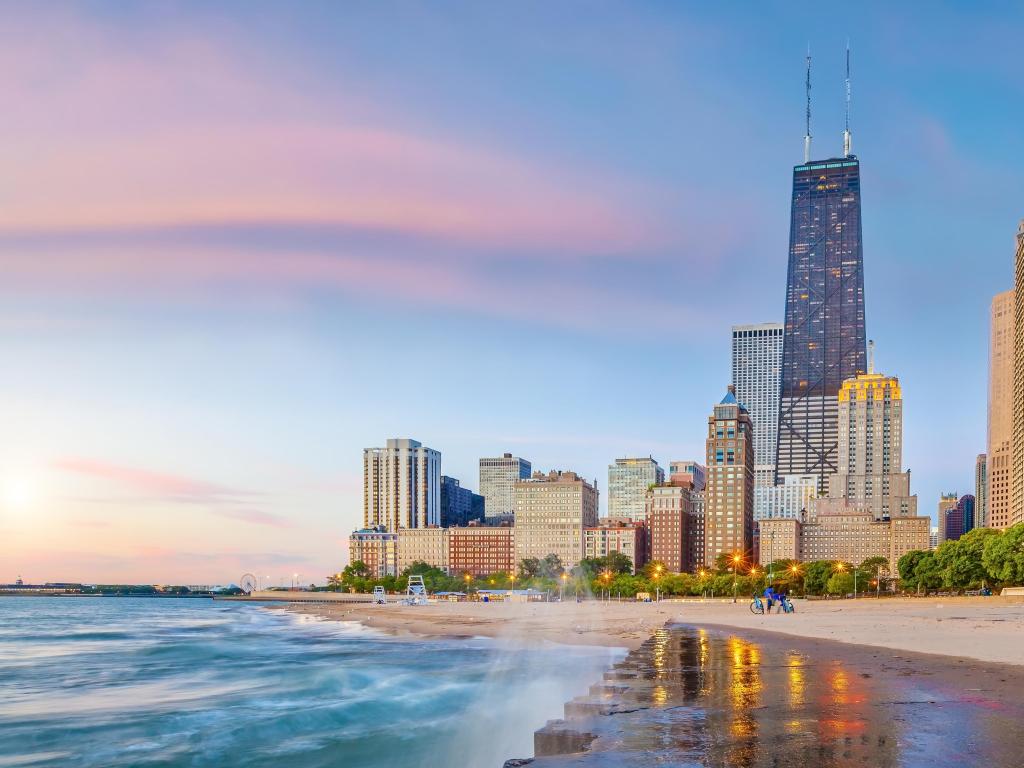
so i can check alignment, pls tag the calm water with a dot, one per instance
(143, 682)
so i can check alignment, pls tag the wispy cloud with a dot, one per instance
(219, 500)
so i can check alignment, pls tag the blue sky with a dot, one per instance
(243, 242)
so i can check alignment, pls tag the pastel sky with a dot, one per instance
(241, 241)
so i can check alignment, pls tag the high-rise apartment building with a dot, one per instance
(947, 502)
(668, 530)
(459, 505)
(824, 341)
(498, 477)
(481, 550)
(959, 519)
(628, 481)
(422, 545)
(401, 486)
(756, 374)
(696, 549)
(1002, 332)
(551, 512)
(626, 538)
(690, 473)
(981, 490)
(729, 496)
(1017, 479)
(870, 450)
(793, 498)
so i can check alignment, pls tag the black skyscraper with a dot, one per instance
(824, 341)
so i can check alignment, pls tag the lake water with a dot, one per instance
(167, 682)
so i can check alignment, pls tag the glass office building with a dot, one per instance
(824, 341)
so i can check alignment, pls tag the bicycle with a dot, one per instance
(756, 606)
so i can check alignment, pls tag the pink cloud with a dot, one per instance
(219, 500)
(179, 130)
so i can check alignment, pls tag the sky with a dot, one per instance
(242, 241)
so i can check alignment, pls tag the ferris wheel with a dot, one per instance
(247, 583)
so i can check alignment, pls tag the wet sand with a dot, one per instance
(699, 697)
(984, 629)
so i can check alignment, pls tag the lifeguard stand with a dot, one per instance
(379, 596)
(416, 591)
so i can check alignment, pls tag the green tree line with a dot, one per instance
(979, 558)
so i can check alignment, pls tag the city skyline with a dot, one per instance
(236, 257)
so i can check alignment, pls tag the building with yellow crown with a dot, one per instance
(870, 476)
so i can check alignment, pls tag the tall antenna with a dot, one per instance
(807, 136)
(847, 138)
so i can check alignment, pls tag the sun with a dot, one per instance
(15, 492)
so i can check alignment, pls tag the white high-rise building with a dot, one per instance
(793, 498)
(756, 374)
(401, 486)
(628, 481)
(498, 477)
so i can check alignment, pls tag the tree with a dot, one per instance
(616, 562)
(816, 576)
(551, 567)
(927, 573)
(654, 567)
(907, 564)
(876, 567)
(335, 582)
(1003, 556)
(529, 567)
(356, 570)
(840, 583)
(726, 560)
(961, 561)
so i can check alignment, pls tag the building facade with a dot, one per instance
(1017, 448)
(690, 473)
(869, 469)
(551, 512)
(498, 477)
(794, 498)
(377, 548)
(947, 502)
(481, 550)
(959, 519)
(668, 526)
(824, 341)
(847, 536)
(628, 481)
(401, 486)
(629, 539)
(1002, 332)
(729, 496)
(422, 545)
(459, 505)
(696, 544)
(981, 490)
(756, 374)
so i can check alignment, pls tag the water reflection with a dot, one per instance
(709, 699)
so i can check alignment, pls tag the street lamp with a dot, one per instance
(561, 589)
(701, 574)
(795, 570)
(657, 587)
(606, 576)
(735, 563)
(467, 577)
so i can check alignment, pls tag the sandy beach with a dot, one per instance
(984, 629)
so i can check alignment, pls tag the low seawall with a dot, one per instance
(282, 596)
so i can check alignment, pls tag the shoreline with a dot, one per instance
(982, 629)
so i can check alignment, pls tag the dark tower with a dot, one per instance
(824, 340)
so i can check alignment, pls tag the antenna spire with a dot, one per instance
(847, 137)
(807, 136)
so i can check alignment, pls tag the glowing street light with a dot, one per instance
(561, 588)
(606, 576)
(736, 559)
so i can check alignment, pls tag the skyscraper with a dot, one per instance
(458, 505)
(981, 491)
(824, 341)
(756, 371)
(401, 486)
(551, 512)
(498, 477)
(729, 496)
(1017, 482)
(1000, 409)
(628, 481)
(869, 470)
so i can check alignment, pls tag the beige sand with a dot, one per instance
(986, 629)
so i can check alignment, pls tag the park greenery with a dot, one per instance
(981, 558)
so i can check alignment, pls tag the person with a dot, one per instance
(782, 602)
(769, 598)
